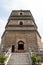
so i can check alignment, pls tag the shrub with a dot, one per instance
(2, 58)
(35, 59)
(38, 59)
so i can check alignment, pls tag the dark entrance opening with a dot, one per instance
(20, 45)
(13, 48)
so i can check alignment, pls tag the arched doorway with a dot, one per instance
(20, 45)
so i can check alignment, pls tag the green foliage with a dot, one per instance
(38, 59)
(35, 59)
(2, 58)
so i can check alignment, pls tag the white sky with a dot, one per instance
(35, 6)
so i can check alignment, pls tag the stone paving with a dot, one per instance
(19, 59)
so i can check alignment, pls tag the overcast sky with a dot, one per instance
(35, 6)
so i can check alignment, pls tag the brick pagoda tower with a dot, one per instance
(21, 32)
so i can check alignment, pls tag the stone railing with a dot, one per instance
(30, 53)
(8, 54)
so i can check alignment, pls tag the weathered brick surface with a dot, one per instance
(28, 37)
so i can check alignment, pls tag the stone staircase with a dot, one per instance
(19, 59)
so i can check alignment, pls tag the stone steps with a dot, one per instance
(19, 59)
